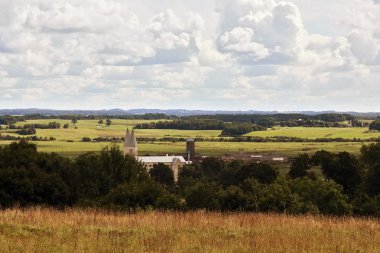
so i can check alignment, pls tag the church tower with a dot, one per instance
(130, 144)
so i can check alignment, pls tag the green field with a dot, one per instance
(90, 128)
(204, 148)
(317, 132)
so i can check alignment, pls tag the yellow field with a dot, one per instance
(90, 128)
(318, 132)
(45, 230)
(203, 148)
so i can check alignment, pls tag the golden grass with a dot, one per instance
(46, 230)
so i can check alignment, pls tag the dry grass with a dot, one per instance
(45, 230)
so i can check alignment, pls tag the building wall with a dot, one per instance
(174, 166)
(132, 151)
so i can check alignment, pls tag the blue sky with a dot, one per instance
(198, 54)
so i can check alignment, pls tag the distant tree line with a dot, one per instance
(288, 120)
(232, 139)
(263, 119)
(28, 138)
(237, 129)
(228, 129)
(107, 179)
(50, 125)
(10, 119)
(188, 124)
(235, 125)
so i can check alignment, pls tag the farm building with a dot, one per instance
(174, 162)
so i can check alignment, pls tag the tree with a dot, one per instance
(100, 122)
(300, 166)
(343, 168)
(108, 122)
(263, 173)
(370, 156)
(86, 139)
(319, 196)
(162, 174)
(234, 199)
(212, 167)
(74, 120)
(66, 126)
(133, 196)
(375, 125)
(204, 195)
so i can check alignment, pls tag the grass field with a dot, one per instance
(45, 230)
(318, 132)
(89, 128)
(204, 148)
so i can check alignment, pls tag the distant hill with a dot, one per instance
(176, 112)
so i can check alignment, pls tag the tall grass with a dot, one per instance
(47, 230)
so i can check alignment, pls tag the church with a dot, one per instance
(130, 148)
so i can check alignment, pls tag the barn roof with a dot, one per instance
(160, 159)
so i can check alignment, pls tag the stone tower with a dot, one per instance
(130, 144)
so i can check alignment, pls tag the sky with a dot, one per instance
(291, 55)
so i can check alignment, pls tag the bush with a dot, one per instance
(133, 196)
(30, 131)
(86, 139)
(162, 174)
(375, 125)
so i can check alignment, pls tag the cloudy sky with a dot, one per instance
(191, 54)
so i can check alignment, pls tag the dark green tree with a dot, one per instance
(263, 173)
(204, 195)
(370, 157)
(300, 166)
(162, 174)
(74, 121)
(375, 125)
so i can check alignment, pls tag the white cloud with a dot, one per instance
(227, 54)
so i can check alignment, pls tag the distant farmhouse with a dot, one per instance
(174, 162)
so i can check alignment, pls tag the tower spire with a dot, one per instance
(130, 143)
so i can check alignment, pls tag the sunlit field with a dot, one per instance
(46, 230)
(90, 128)
(203, 148)
(318, 132)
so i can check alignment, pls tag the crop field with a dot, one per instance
(318, 132)
(47, 230)
(90, 128)
(204, 148)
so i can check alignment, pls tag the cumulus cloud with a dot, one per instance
(227, 54)
(262, 29)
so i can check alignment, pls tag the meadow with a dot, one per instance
(318, 132)
(204, 148)
(74, 230)
(90, 128)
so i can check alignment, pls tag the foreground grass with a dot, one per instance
(45, 230)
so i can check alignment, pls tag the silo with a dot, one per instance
(190, 149)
